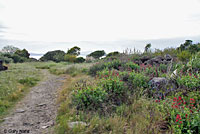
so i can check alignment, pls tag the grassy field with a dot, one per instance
(15, 82)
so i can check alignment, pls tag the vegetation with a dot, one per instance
(15, 83)
(119, 96)
(116, 94)
(97, 54)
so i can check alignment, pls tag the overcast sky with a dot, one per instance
(51, 22)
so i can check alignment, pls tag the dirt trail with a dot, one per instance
(36, 113)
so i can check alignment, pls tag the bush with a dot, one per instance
(132, 66)
(56, 56)
(90, 98)
(189, 81)
(95, 68)
(138, 80)
(184, 56)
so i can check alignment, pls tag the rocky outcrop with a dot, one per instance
(2, 68)
(156, 60)
(160, 86)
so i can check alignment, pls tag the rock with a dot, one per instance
(161, 86)
(20, 111)
(73, 124)
(2, 68)
(145, 58)
(168, 57)
(44, 127)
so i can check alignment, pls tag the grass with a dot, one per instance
(140, 117)
(15, 82)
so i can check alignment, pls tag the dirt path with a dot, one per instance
(36, 113)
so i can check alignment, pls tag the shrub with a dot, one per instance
(138, 80)
(56, 56)
(90, 98)
(184, 56)
(132, 66)
(182, 113)
(189, 81)
(95, 68)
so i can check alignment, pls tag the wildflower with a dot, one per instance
(175, 99)
(180, 122)
(179, 98)
(186, 115)
(179, 103)
(192, 100)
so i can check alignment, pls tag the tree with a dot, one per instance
(74, 51)
(113, 54)
(147, 47)
(56, 56)
(70, 58)
(9, 49)
(23, 53)
(97, 54)
(80, 60)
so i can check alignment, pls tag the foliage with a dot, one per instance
(74, 51)
(184, 56)
(5, 59)
(147, 47)
(80, 60)
(9, 49)
(132, 66)
(55, 56)
(97, 54)
(29, 81)
(115, 53)
(70, 58)
(189, 81)
(182, 112)
(22, 53)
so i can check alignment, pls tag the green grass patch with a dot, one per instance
(15, 82)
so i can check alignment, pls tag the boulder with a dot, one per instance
(168, 57)
(161, 86)
(2, 68)
(145, 58)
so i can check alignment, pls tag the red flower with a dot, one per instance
(179, 98)
(175, 99)
(192, 100)
(186, 115)
(179, 103)
(180, 122)
(178, 116)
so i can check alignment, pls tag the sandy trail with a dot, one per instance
(36, 113)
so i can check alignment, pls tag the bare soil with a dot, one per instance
(36, 113)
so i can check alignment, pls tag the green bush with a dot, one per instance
(138, 80)
(189, 81)
(184, 56)
(70, 58)
(132, 66)
(90, 98)
(96, 67)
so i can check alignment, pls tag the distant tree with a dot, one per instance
(194, 48)
(22, 53)
(70, 58)
(56, 56)
(9, 49)
(185, 45)
(147, 47)
(112, 54)
(97, 54)
(80, 60)
(74, 51)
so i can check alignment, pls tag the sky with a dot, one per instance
(43, 25)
